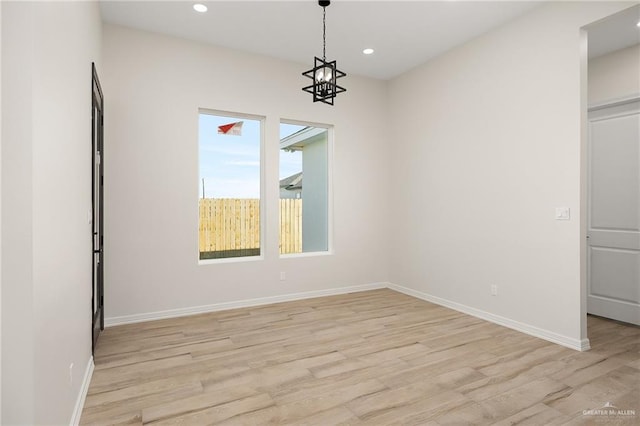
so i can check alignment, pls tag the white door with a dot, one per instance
(614, 212)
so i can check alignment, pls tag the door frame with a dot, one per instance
(97, 215)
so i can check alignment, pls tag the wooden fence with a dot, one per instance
(290, 225)
(231, 225)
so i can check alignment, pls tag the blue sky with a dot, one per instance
(230, 165)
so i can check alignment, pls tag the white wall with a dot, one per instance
(488, 144)
(17, 282)
(153, 88)
(615, 75)
(46, 193)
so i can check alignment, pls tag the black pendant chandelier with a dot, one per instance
(324, 74)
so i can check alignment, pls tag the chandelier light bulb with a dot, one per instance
(324, 75)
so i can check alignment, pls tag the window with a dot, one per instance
(304, 188)
(230, 186)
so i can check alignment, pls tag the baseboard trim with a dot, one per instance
(175, 313)
(82, 396)
(585, 345)
(579, 345)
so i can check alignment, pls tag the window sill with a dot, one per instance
(230, 260)
(309, 254)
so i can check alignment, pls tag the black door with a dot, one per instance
(97, 168)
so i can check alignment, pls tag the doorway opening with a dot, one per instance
(611, 165)
(97, 181)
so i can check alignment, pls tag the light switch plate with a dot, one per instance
(563, 213)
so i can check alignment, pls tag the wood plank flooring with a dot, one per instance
(374, 358)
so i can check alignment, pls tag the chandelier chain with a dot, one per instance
(324, 33)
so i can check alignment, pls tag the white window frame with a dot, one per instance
(330, 214)
(263, 200)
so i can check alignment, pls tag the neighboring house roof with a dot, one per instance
(296, 141)
(292, 182)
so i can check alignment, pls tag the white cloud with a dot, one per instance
(231, 188)
(244, 163)
(239, 151)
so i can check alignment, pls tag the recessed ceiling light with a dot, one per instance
(638, 24)
(368, 51)
(199, 7)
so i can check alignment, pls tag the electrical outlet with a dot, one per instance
(71, 374)
(563, 213)
(283, 276)
(494, 290)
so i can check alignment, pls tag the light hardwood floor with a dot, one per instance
(376, 357)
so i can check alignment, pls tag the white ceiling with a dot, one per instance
(404, 34)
